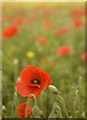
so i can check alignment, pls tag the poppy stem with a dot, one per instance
(14, 103)
(62, 104)
(75, 103)
(59, 99)
(56, 112)
(35, 100)
(26, 113)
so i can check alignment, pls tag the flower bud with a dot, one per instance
(83, 115)
(18, 79)
(35, 111)
(53, 89)
(77, 91)
(15, 94)
(3, 108)
(15, 62)
(41, 114)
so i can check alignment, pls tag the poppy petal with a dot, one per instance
(23, 89)
(29, 73)
(47, 80)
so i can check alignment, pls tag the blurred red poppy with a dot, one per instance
(32, 81)
(78, 13)
(46, 15)
(18, 20)
(78, 24)
(84, 57)
(42, 40)
(10, 31)
(48, 25)
(63, 31)
(22, 110)
(64, 50)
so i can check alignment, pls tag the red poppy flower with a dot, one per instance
(18, 20)
(46, 15)
(78, 13)
(63, 31)
(48, 25)
(42, 40)
(32, 81)
(22, 110)
(64, 50)
(78, 24)
(10, 31)
(84, 57)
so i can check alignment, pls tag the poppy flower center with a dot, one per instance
(35, 81)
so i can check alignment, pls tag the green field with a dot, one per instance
(24, 48)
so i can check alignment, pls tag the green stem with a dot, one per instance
(35, 100)
(62, 102)
(27, 108)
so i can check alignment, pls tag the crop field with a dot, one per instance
(48, 40)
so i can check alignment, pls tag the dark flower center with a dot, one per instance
(35, 81)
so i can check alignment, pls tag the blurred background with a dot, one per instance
(50, 36)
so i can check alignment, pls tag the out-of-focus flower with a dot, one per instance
(48, 25)
(30, 54)
(46, 15)
(64, 50)
(15, 61)
(53, 89)
(63, 31)
(22, 110)
(76, 16)
(45, 59)
(10, 31)
(78, 13)
(18, 20)
(42, 40)
(33, 80)
(78, 24)
(84, 57)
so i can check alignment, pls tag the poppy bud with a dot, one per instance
(35, 111)
(56, 112)
(41, 114)
(15, 62)
(3, 108)
(53, 89)
(77, 91)
(18, 79)
(15, 94)
(83, 115)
